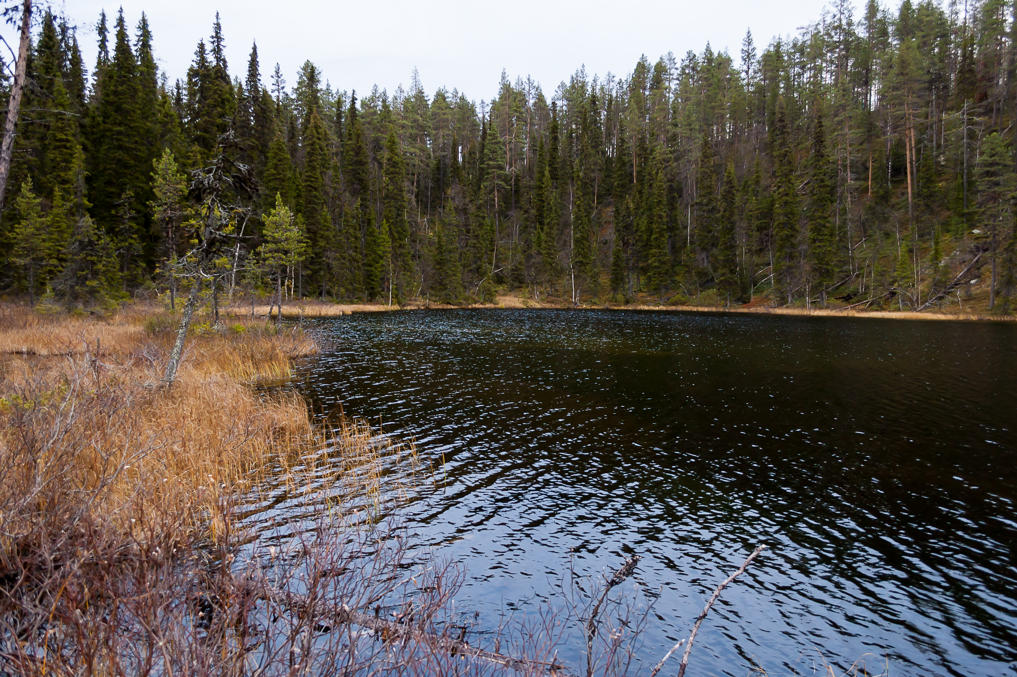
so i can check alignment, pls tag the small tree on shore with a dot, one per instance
(283, 249)
(31, 251)
(169, 210)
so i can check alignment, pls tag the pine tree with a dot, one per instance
(284, 246)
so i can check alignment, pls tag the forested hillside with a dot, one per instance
(868, 162)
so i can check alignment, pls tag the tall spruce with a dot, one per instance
(785, 211)
(819, 214)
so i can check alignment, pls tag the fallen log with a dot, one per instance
(953, 284)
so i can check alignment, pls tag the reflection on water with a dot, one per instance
(876, 458)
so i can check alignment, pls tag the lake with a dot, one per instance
(875, 459)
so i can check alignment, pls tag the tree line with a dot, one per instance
(867, 161)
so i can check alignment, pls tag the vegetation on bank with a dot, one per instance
(867, 162)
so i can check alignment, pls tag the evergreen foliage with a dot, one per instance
(866, 160)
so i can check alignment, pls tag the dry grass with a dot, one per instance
(89, 436)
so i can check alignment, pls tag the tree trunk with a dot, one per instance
(185, 324)
(278, 288)
(215, 302)
(14, 103)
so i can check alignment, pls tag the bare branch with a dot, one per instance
(393, 630)
(702, 615)
(591, 624)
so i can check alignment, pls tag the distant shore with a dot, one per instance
(308, 308)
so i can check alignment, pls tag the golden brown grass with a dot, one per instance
(89, 435)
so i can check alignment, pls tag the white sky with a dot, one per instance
(455, 43)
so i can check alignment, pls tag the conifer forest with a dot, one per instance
(869, 161)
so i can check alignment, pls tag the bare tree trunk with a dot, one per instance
(14, 103)
(215, 302)
(185, 324)
(236, 261)
(278, 287)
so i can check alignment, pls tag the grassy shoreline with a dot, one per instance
(314, 308)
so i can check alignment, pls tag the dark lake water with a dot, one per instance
(875, 458)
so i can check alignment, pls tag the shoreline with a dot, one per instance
(322, 309)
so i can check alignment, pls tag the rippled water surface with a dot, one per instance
(875, 458)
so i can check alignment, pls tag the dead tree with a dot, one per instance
(14, 103)
(221, 189)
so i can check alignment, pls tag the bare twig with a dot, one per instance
(591, 624)
(702, 615)
(393, 630)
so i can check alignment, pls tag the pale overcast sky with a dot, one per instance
(453, 43)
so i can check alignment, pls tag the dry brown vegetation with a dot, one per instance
(79, 398)
(112, 481)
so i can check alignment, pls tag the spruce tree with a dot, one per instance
(31, 252)
(445, 283)
(726, 257)
(582, 241)
(118, 164)
(707, 217)
(169, 188)
(312, 208)
(819, 214)
(659, 258)
(395, 217)
(92, 273)
(996, 183)
(785, 210)
(278, 175)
